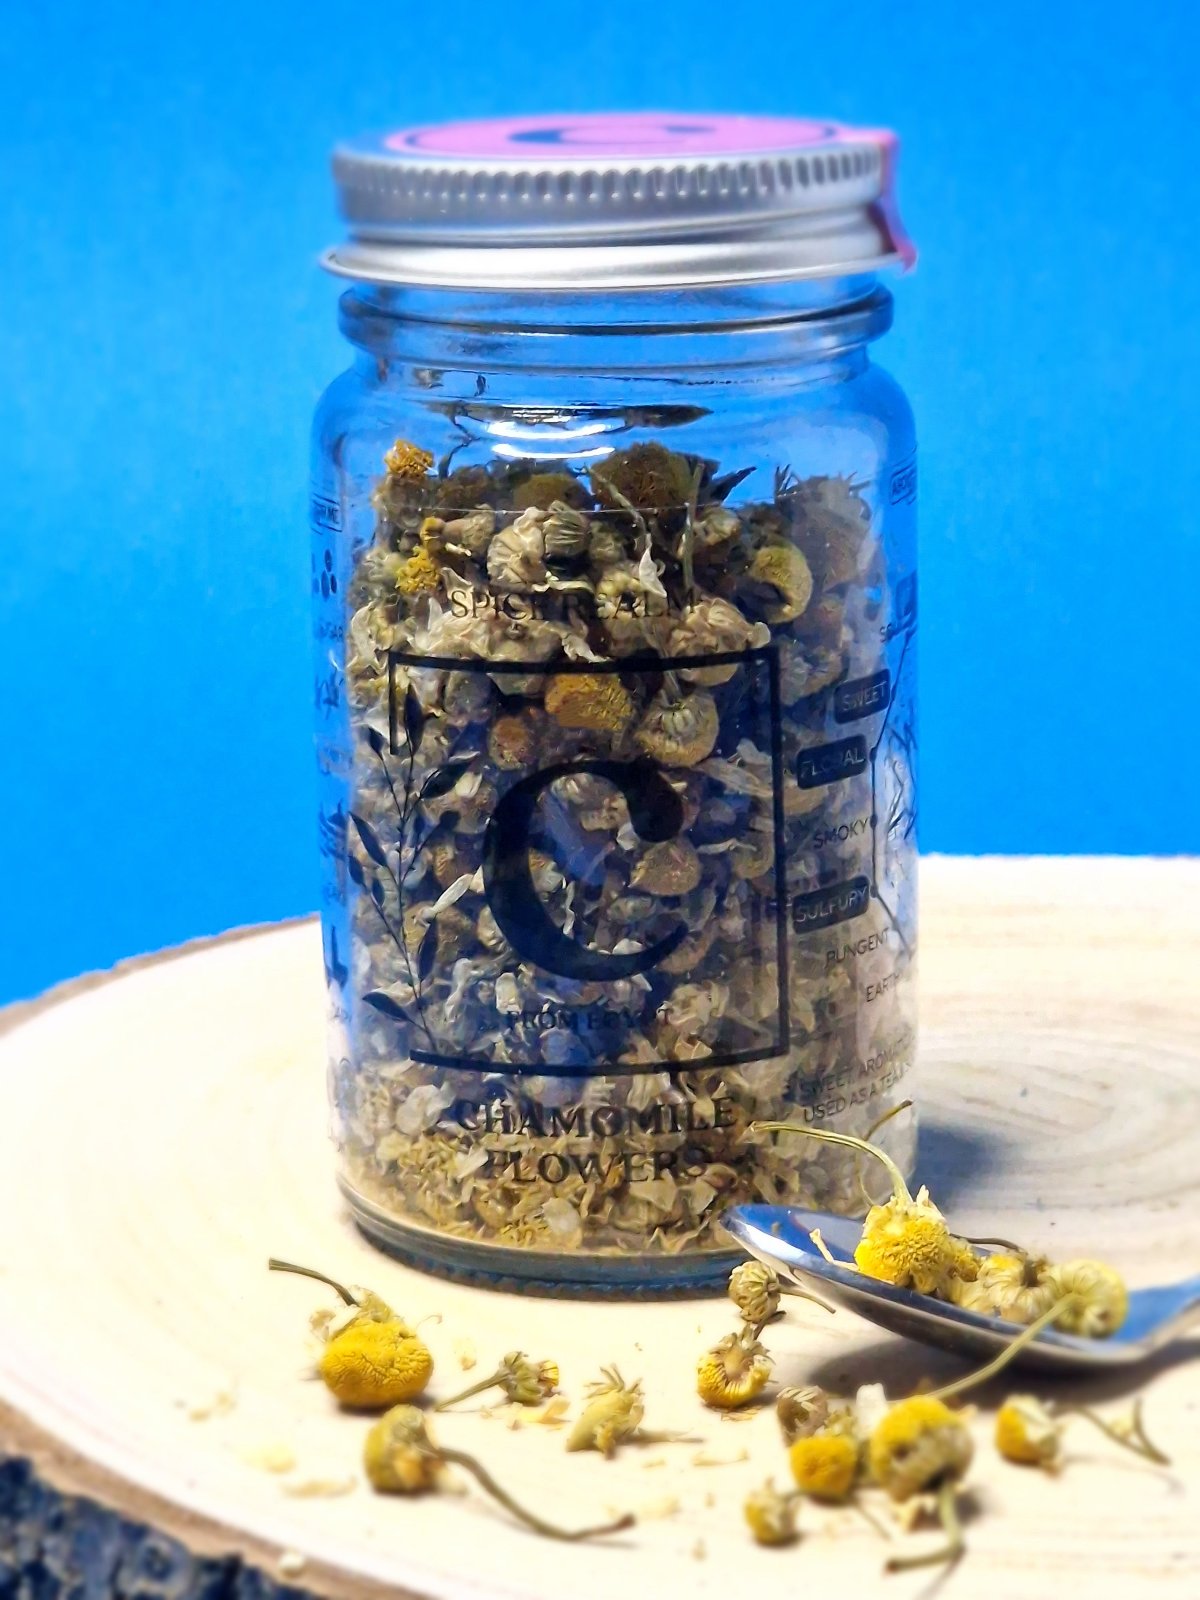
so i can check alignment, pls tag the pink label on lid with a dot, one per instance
(614, 136)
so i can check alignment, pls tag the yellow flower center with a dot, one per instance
(408, 462)
(375, 1364)
(591, 700)
(825, 1465)
(420, 574)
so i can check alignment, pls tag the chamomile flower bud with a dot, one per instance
(1013, 1286)
(754, 1290)
(1026, 1432)
(802, 1412)
(1100, 1300)
(525, 1382)
(770, 1516)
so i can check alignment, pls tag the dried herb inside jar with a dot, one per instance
(617, 890)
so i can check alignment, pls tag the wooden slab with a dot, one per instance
(163, 1131)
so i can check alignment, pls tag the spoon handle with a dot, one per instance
(1173, 1306)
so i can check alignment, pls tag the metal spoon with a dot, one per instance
(781, 1236)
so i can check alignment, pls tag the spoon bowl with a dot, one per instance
(781, 1236)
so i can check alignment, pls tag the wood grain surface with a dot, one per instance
(163, 1130)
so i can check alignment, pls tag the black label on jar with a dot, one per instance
(607, 869)
(862, 697)
(829, 763)
(823, 908)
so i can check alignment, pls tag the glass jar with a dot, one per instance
(614, 576)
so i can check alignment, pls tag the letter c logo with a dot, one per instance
(656, 813)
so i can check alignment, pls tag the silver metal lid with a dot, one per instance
(618, 202)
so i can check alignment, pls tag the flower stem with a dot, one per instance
(275, 1265)
(476, 1388)
(900, 1190)
(954, 1546)
(1012, 1349)
(887, 1116)
(548, 1530)
(1134, 1439)
(687, 553)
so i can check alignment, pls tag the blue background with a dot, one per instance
(165, 334)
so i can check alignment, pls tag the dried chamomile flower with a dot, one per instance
(400, 1457)
(802, 1412)
(606, 545)
(420, 574)
(680, 731)
(755, 1291)
(784, 568)
(514, 558)
(646, 475)
(834, 521)
(715, 527)
(566, 534)
(771, 1516)
(753, 854)
(542, 489)
(919, 1444)
(1015, 1287)
(465, 486)
(374, 1359)
(733, 1372)
(513, 741)
(825, 1465)
(447, 862)
(526, 1382)
(359, 1305)
(589, 700)
(712, 626)
(468, 535)
(1027, 1433)
(666, 869)
(1100, 1301)
(375, 1364)
(407, 462)
(905, 1241)
(613, 1413)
